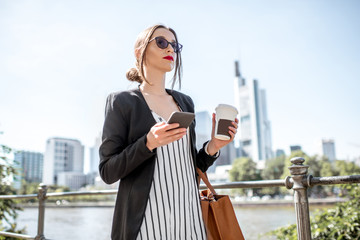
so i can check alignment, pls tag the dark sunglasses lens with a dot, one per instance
(162, 43)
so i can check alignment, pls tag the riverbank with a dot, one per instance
(270, 202)
(283, 202)
(94, 223)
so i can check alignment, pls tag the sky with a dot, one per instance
(60, 59)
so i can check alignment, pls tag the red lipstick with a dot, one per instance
(170, 58)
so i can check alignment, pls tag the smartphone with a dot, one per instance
(183, 118)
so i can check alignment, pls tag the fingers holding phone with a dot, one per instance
(163, 133)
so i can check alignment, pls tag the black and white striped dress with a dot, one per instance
(173, 210)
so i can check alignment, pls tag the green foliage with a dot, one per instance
(32, 188)
(28, 188)
(339, 223)
(346, 168)
(285, 233)
(326, 169)
(273, 170)
(8, 208)
(244, 169)
(298, 153)
(287, 164)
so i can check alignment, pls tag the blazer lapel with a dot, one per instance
(149, 120)
(177, 99)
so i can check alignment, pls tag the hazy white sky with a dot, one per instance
(60, 59)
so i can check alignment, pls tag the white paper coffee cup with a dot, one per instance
(225, 114)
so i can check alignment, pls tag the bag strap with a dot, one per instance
(203, 176)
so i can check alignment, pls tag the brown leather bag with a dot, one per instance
(218, 214)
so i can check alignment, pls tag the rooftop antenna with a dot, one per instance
(238, 74)
(237, 69)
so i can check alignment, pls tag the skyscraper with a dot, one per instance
(30, 165)
(94, 157)
(227, 156)
(203, 134)
(328, 149)
(202, 128)
(294, 148)
(279, 152)
(254, 126)
(62, 155)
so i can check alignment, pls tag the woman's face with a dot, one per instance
(157, 58)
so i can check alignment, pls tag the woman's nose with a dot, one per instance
(170, 48)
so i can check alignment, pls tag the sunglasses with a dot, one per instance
(163, 44)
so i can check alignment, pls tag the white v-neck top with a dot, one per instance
(173, 210)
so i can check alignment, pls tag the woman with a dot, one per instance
(158, 196)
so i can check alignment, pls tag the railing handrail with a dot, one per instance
(59, 194)
(287, 182)
(299, 182)
(16, 235)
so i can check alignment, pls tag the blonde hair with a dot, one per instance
(137, 74)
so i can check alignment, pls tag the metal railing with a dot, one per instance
(299, 181)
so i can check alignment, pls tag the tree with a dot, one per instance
(344, 168)
(298, 153)
(286, 172)
(341, 222)
(326, 169)
(274, 169)
(8, 208)
(317, 167)
(244, 169)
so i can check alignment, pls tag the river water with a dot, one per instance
(94, 223)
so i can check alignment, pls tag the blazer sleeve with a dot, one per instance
(203, 160)
(118, 158)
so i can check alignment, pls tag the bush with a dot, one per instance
(338, 223)
(8, 208)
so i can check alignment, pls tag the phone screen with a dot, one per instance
(183, 118)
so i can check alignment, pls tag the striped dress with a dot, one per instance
(173, 210)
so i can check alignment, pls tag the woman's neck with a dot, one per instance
(154, 89)
(155, 84)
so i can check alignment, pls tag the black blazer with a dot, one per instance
(124, 156)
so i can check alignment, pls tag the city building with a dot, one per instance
(254, 132)
(73, 180)
(62, 155)
(294, 148)
(227, 156)
(279, 152)
(327, 149)
(203, 128)
(94, 156)
(220, 175)
(203, 134)
(100, 184)
(203, 131)
(30, 166)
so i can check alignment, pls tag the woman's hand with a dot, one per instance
(162, 133)
(216, 144)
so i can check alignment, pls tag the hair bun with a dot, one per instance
(133, 75)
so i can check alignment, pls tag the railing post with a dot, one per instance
(41, 219)
(299, 172)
